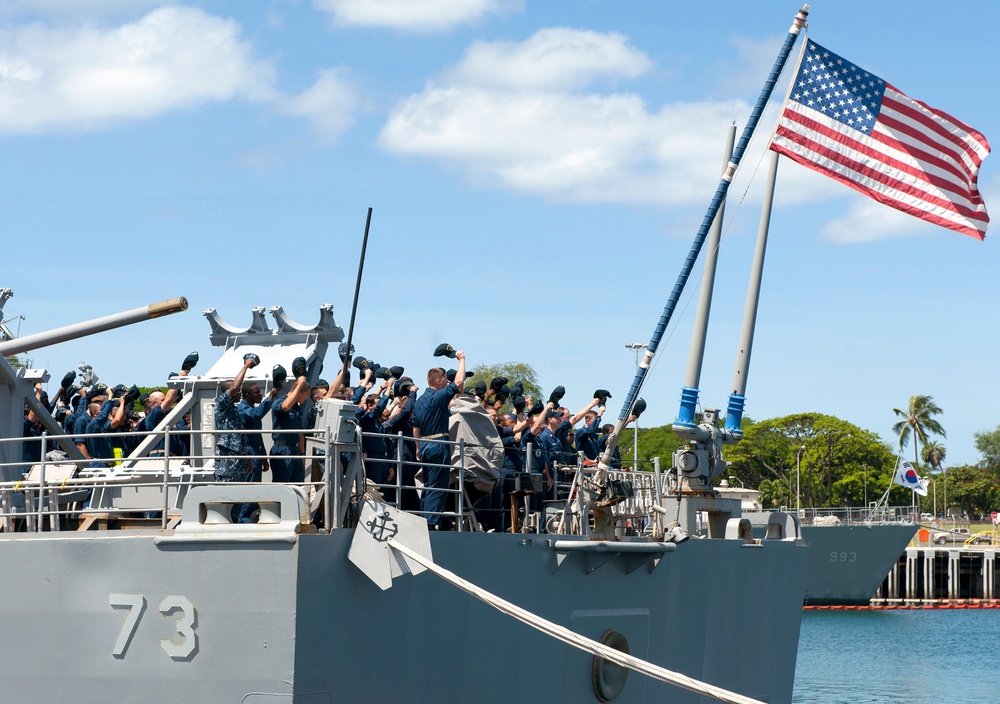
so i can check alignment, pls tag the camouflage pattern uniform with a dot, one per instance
(232, 464)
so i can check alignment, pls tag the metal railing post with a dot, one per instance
(166, 477)
(461, 484)
(529, 451)
(328, 515)
(399, 470)
(41, 483)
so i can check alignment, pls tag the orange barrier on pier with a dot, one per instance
(963, 604)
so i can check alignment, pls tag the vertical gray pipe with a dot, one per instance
(696, 355)
(753, 290)
(737, 399)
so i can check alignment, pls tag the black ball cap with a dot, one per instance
(278, 376)
(361, 363)
(396, 372)
(342, 351)
(518, 403)
(497, 383)
(518, 387)
(252, 356)
(557, 394)
(480, 389)
(445, 350)
(536, 408)
(639, 407)
(602, 395)
(189, 362)
(119, 390)
(383, 373)
(68, 380)
(451, 373)
(469, 375)
(97, 390)
(299, 366)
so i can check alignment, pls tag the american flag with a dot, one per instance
(851, 125)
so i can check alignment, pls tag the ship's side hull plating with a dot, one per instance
(136, 618)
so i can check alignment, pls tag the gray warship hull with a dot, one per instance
(130, 616)
(847, 563)
(848, 559)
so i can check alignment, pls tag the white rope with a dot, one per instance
(577, 640)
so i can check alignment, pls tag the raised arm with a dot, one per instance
(578, 416)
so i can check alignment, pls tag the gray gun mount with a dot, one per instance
(17, 386)
(700, 460)
(279, 345)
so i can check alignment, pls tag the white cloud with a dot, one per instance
(329, 104)
(553, 58)
(88, 78)
(867, 220)
(415, 15)
(509, 113)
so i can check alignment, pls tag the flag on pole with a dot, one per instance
(906, 476)
(851, 125)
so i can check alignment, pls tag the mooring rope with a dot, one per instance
(575, 639)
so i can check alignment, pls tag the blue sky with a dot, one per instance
(536, 169)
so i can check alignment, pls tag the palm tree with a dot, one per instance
(933, 454)
(918, 421)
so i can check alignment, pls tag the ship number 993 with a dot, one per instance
(843, 556)
(178, 608)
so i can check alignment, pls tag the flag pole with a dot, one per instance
(713, 208)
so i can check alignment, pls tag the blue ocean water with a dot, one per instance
(889, 657)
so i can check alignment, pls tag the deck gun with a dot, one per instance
(17, 386)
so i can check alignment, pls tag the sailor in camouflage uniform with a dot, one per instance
(231, 464)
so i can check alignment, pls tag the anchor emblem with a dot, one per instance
(382, 527)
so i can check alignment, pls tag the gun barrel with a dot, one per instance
(90, 327)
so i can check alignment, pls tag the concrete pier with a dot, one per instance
(941, 575)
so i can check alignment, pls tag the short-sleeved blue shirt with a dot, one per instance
(99, 446)
(253, 420)
(430, 412)
(551, 445)
(292, 419)
(586, 439)
(539, 458)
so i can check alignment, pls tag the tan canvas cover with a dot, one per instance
(484, 449)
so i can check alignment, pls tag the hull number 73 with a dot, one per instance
(179, 608)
